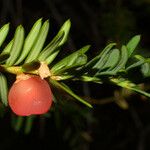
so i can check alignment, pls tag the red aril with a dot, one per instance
(30, 95)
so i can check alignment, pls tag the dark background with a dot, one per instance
(109, 126)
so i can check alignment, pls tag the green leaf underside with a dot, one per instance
(113, 58)
(3, 33)
(132, 44)
(8, 47)
(72, 60)
(145, 69)
(80, 60)
(3, 89)
(65, 28)
(123, 59)
(101, 58)
(52, 56)
(92, 67)
(120, 65)
(70, 92)
(39, 43)
(51, 48)
(17, 46)
(110, 60)
(30, 40)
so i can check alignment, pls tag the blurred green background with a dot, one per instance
(112, 124)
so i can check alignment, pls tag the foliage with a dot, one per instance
(24, 54)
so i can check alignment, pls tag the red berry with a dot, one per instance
(30, 95)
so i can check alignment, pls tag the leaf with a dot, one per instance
(34, 65)
(137, 90)
(65, 77)
(38, 45)
(92, 62)
(3, 89)
(3, 33)
(102, 56)
(28, 124)
(72, 60)
(120, 65)
(4, 57)
(8, 47)
(99, 65)
(81, 60)
(17, 46)
(90, 79)
(132, 44)
(112, 60)
(69, 91)
(65, 28)
(52, 56)
(145, 69)
(129, 85)
(30, 40)
(136, 64)
(17, 122)
(51, 49)
(123, 59)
